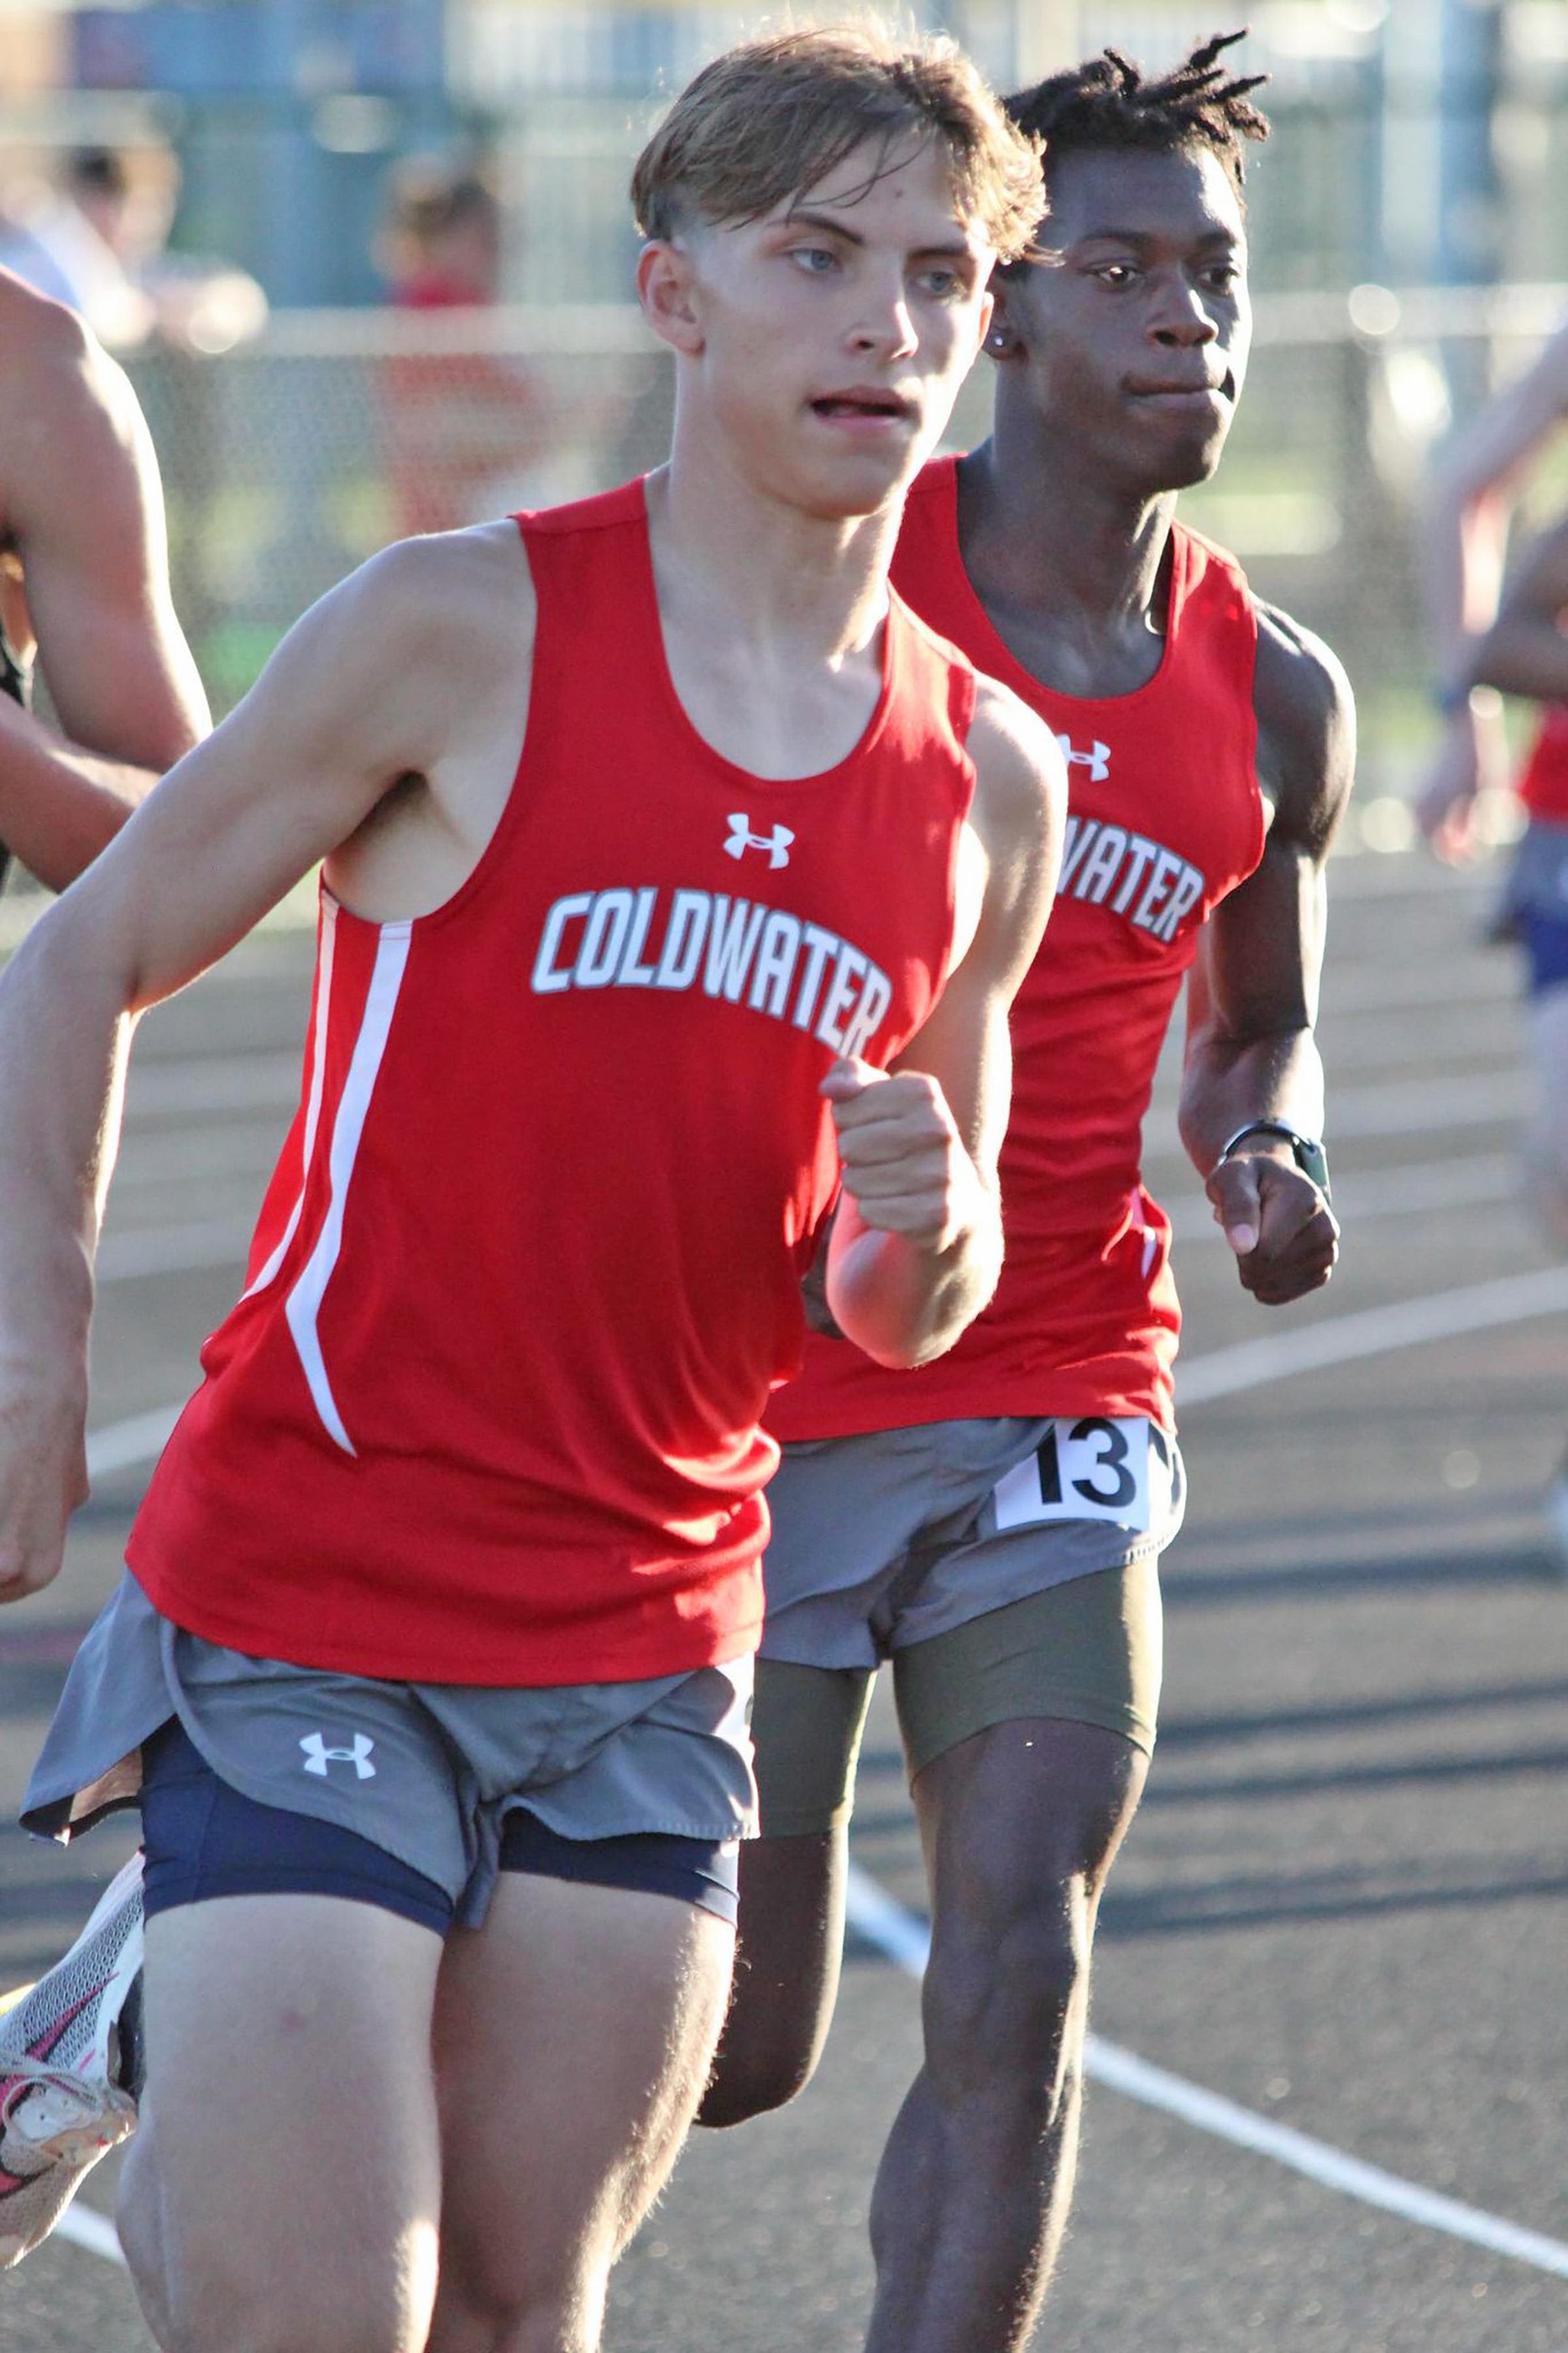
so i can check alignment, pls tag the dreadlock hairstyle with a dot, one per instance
(1107, 102)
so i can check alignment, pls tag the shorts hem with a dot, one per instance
(207, 1887)
(1135, 1730)
(808, 1821)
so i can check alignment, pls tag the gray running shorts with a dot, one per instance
(425, 1771)
(883, 1541)
(987, 1559)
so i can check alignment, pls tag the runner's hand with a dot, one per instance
(1285, 1236)
(1471, 759)
(905, 1164)
(43, 1478)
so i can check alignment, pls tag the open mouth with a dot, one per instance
(869, 406)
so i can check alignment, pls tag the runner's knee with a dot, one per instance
(1001, 1995)
(226, 2315)
(766, 2059)
(787, 1975)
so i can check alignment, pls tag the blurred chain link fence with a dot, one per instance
(290, 461)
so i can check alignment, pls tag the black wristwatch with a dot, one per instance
(1306, 1151)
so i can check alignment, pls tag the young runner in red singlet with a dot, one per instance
(1508, 636)
(1523, 653)
(442, 1606)
(992, 1522)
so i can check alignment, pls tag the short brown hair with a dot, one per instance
(776, 115)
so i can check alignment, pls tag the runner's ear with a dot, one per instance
(665, 290)
(1001, 340)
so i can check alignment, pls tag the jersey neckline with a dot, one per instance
(692, 739)
(1000, 661)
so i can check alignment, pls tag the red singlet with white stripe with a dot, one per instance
(1164, 818)
(487, 1410)
(1543, 787)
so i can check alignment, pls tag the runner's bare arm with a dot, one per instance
(416, 666)
(1525, 651)
(1473, 490)
(81, 505)
(1253, 997)
(916, 1245)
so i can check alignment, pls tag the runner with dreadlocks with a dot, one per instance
(994, 1523)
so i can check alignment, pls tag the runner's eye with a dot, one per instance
(1115, 273)
(815, 260)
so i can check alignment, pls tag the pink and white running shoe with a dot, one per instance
(61, 2051)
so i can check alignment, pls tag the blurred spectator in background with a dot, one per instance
(441, 245)
(1508, 634)
(84, 587)
(465, 427)
(97, 241)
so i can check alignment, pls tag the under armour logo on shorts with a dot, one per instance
(1097, 759)
(743, 839)
(317, 1756)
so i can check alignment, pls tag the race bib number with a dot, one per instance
(1090, 1470)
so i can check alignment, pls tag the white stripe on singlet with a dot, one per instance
(313, 1102)
(304, 1305)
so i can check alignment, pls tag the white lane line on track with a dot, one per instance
(122, 1445)
(96, 2233)
(1375, 1332)
(906, 1941)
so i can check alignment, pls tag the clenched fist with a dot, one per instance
(1285, 1236)
(906, 1166)
(43, 1478)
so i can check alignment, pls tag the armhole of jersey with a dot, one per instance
(963, 700)
(497, 848)
(1263, 807)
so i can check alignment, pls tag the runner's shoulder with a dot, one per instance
(454, 602)
(47, 355)
(1306, 726)
(35, 324)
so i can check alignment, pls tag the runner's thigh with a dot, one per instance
(1089, 1650)
(573, 2034)
(288, 2172)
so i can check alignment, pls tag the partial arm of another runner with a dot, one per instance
(1473, 491)
(81, 505)
(1253, 998)
(916, 1245)
(1525, 651)
(414, 674)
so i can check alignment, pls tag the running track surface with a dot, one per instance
(1340, 1928)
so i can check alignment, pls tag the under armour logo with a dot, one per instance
(743, 839)
(1097, 759)
(317, 1756)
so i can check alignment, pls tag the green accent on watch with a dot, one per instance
(1306, 1151)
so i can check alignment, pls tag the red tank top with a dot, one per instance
(487, 1410)
(1543, 787)
(1164, 818)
